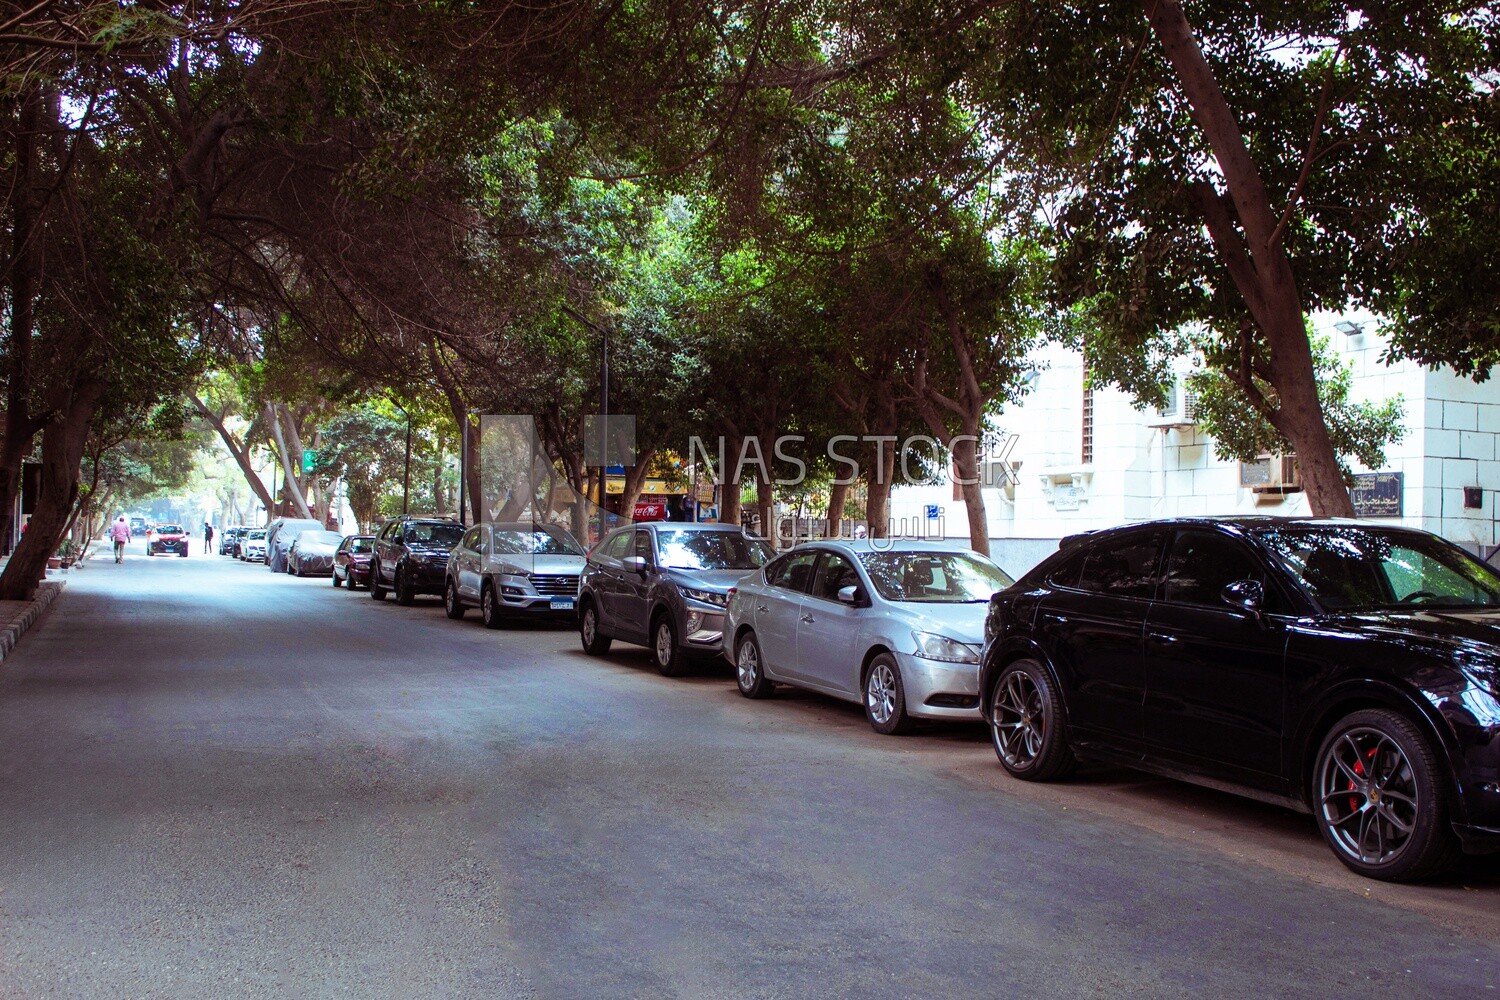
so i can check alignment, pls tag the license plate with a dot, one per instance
(562, 604)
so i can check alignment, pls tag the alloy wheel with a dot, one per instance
(880, 693)
(1018, 720)
(1368, 795)
(590, 626)
(747, 666)
(663, 643)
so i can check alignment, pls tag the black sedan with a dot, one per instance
(1342, 668)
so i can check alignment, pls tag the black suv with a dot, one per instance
(1347, 669)
(412, 554)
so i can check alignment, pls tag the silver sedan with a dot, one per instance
(894, 625)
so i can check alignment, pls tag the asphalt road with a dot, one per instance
(215, 782)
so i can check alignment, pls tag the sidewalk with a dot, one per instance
(18, 616)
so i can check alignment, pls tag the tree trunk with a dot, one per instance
(1257, 262)
(838, 496)
(883, 475)
(240, 451)
(729, 485)
(635, 481)
(63, 442)
(765, 505)
(24, 265)
(966, 466)
(289, 481)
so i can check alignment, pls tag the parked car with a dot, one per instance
(229, 539)
(896, 626)
(138, 526)
(664, 585)
(351, 561)
(312, 552)
(1342, 668)
(512, 570)
(167, 538)
(411, 557)
(280, 535)
(253, 546)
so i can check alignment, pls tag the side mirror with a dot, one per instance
(1247, 595)
(851, 596)
(636, 564)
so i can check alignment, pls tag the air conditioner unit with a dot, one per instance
(1181, 409)
(1271, 475)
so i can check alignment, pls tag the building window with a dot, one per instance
(1088, 425)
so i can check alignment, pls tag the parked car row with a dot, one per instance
(1341, 668)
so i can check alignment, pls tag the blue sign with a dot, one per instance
(933, 512)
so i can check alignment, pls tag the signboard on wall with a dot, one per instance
(1376, 494)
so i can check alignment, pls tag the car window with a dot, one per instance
(420, 533)
(1203, 563)
(794, 572)
(835, 572)
(643, 544)
(1123, 565)
(928, 577)
(471, 539)
(1358, 568)
(711, 550)
(615, 546)
(361, 545)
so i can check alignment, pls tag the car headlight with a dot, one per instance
(931, 646)
(706, 596)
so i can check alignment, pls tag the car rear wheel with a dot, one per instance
(1027, 724)
(595, 642)
(1379, 798)
(885, 697)
(377, 589)
(749, 671)
(451, 604)
(405, 595)
(664, 652)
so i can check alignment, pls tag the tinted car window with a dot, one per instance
(710, 550)
(835, 572)
(433, 534)
(793, 572)
(1358, 568)
(1122, 566)
(471, 540)
(1202, 563)
(614, 547)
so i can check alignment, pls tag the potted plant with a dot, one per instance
(64, 557)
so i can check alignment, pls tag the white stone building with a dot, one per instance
(1091, 460)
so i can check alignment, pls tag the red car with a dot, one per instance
(167, 538)
(351, 562)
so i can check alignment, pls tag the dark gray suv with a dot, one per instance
(664, 585)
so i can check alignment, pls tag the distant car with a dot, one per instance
(312, 552)
(351, 562)
(896, 626)
(412, 554)
(229, 537)
(253, 545)
(167, 538)
(664, 585)
(280, 534)
(138, 526)
(1343, 668)
(514, 570)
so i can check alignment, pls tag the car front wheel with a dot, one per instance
(595, 642)
(377, 588)
(749, 669)
(1027, 725)
(885, 697)
(664, 652)
(405, 595)
(1379, 800)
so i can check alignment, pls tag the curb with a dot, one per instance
(46, 593)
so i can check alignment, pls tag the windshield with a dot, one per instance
(168, 529)
(1361, 569)
(434, 534)
(710, 550)
(934, 577)
(259, 533)
(536, 541)
(365, 544)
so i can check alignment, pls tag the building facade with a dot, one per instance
(1086, 459)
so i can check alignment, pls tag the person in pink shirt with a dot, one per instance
(120, 532)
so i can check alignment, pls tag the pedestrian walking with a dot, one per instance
(120, 532)
(208, 537)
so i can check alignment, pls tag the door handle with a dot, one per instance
(808, 619)
(1162, 638)
(762, 609)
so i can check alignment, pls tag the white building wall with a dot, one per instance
(1139, 472)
